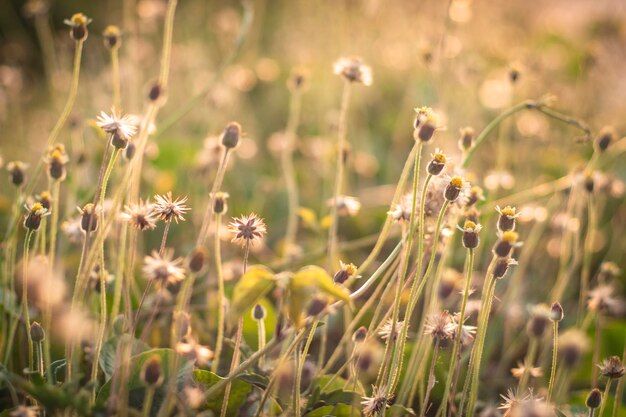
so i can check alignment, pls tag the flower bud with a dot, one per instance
(506, 221)
(231, 135)
(454, 188)
(37, 334)
(360, 334)
(45, 199)
(17, 172)
(556, 311)
(36, 212)
(112, 37)
(345, 272)
(467, 137)
(56, 161)
(155, 92)
(78, 26)
(151, 374)
(506, 243)
(437, 163)
(604, 139)
(197, 259)
(470, 234)
(259, 312)
(502, 267)
(89, 219)
(594, 399)
(219, 203)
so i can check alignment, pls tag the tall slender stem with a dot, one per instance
(217, 185)
(164, 238)
(233, 365)
(431, 379)
(555, 347)
(217, 247)
(341, 161)
(115, 75)
(605, 396)
(301, 360)
(29, 234)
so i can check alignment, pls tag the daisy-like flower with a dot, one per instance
(612, 368)
(78, 26)
(17, 172)
(346, 206)
(506, 243)
(56, 159)
(602, 298)
(377, 402)
(387, 329)
(425, 125)
(141, 216)
(353, 70)
(345, 272)
(194, 351)
(247, 230)
(508, 215)
(522, 369)
(35, 212)
(470, 234)
(474, 195)
(168, 209)
(439, 326)
(437, 162)
(467, 331)
(121, 128)
(456, 188)
(163, 269)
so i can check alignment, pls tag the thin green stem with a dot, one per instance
(431, 379)
(220, 293)
(233, 365)
(555, 348)
(147, 401)
(29, 234)
(605, 396)
(217, 185)
(261, 339)
(115, 75)
(301, 361)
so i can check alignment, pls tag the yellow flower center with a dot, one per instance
(508, 211)
(440, 158)
(510, 236)
(36, 207)
(79, 19)
(456, 182)
(469, 225)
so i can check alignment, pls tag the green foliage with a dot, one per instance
(238, 392)
(250, 288)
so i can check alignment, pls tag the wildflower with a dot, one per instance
(603, 299)
(346, 205)
(605, 138)
(573, 344)
(608, 270)
(439, 326)
(167, 209)
(112, 37)
(456, 186)
(95, 278)
(56, 160)
(163, 269)
(467, 331)
(89, 219)
(594, 399)
(194, 351)
(17, 172)
(37, 333)
(121, 128)
(388, 330)
(345, 272)
(141, 216)
(589, 182)
(556, 311)
(475, 194)
(36, 212)
(470, 234)
(424, 124)
(506, 221)
(353, 70)
(612, 368)
(231, 135)
(247, 230)
(45, 199)
(259, 312)
(219, 202)
(78, 26)
(506, 243)
(521, 370)
(151, 373)
(539, 319)
(377, 402)
(467, 137)
(502, 266)
(437, 162)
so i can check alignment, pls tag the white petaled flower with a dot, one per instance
(354, 70)
(141, 216)
(163, 269)
(402, 211)
(168, 209)
(346, 205)
(603, 298)
(114, 124)
(377, 402)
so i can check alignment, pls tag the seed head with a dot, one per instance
(502, 267)
(112, 37)
(467, 137)
(439, 326)
(121, 128)
(37, 332)
(353, 70)
(506, 221)
(298, 80)
(35, 212)
(612, 368)
(437, 162)
(78, 26)
(259, 312)
(56, 159)
(89, 217)
(345, 272)
(373, 405)
(17, 172)
(247, 230)
(168, 209)
(163, 269)
(220, 205)
(231, 135)
(151, 373)
(141, 216)
(346, 206)
(594, 399)
(470, 234)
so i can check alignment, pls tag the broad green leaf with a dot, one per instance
(251, 287)
(305, 284)
(109, 351)
(250, 326)
(339, 410)
(238, 392)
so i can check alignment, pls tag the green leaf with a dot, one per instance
(136, 389)
(339, 410)
(109, 351)
(250, 326)
(305, 284)
(238, 392)
(251, 287)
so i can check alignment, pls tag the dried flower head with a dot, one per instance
(377, 402)
(612, 368)
(35, 212)
(603, 299)
(345, 272)
(353, 70)
(247, 230)
(506, 221)
(112, 37)
(502, 267)
(387, 329)
(346, 206)
(506, 243)
(141, 216)
(437, 162)
(168, 209)
(56, 159)
(121, 128)
(424, 124)
(163, 269)
(194, 351)
(470, 234)
(467, 331)
(17, 172)
(456, 187)
(231, 135)
(89, 217)
(220, 205)
(439, 326)
(78, 26)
